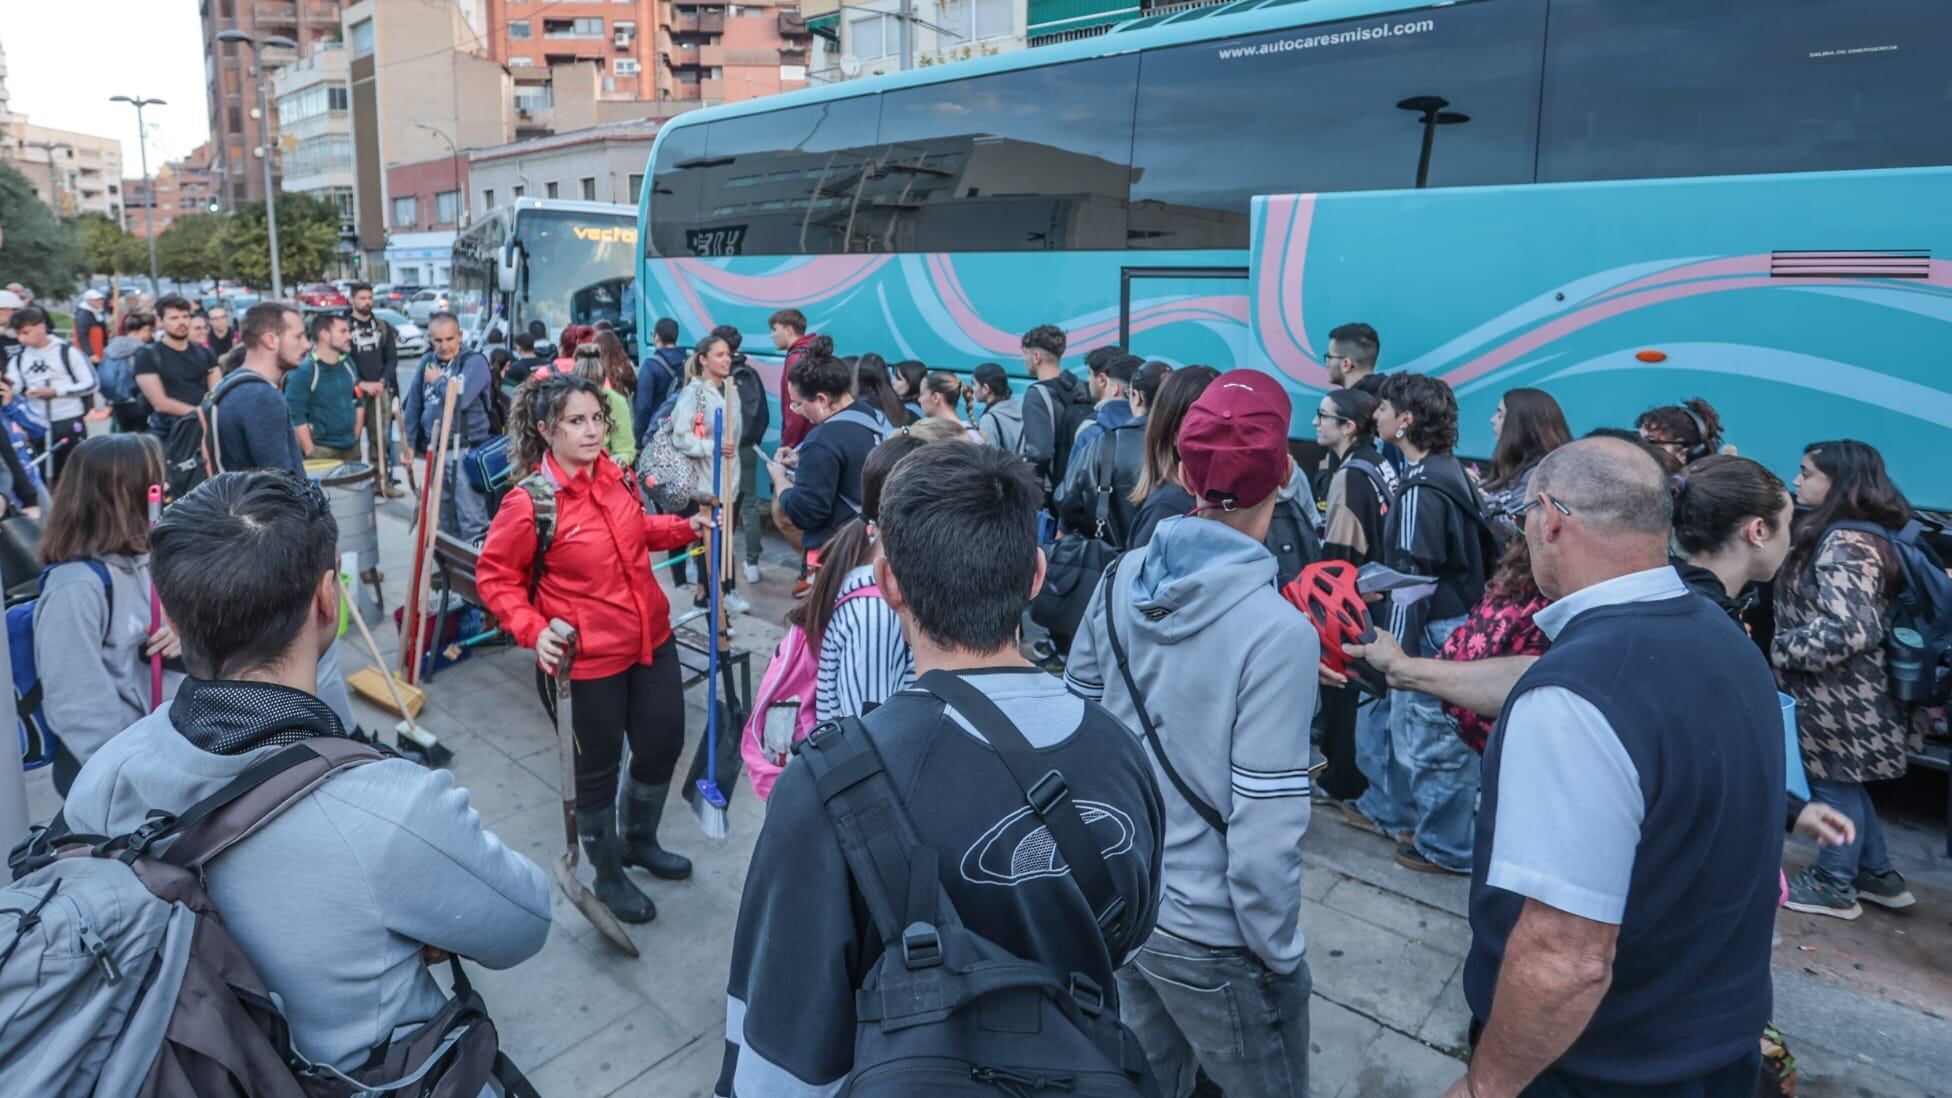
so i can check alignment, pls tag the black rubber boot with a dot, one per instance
(643, 808)
(605, 852)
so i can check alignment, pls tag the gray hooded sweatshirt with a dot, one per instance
(1227, 667)
(332, 900)
(88, 645)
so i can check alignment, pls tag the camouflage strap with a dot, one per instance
(542, 494)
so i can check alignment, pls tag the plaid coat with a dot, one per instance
(1828, 653)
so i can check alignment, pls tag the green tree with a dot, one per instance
(308, 240)
(185, 251)
(37, 251)
(108, 248)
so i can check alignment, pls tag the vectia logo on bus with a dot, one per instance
(614, 234)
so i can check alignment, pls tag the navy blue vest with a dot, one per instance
(1694, 704)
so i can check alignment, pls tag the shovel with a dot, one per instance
(579, 894)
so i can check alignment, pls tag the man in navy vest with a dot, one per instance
(1623, 890)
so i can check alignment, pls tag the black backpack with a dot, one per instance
(1071, 408)
(1491, 541)
(190, 452)
(945, 1011)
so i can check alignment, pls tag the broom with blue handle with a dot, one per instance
(708, 806)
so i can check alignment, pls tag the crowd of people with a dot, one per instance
(1047, 881)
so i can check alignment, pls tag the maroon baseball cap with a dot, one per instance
(1233, 444)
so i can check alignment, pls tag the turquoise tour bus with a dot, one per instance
(1624, 204)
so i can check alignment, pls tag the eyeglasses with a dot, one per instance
(1664, 443)
(1331, 417)
(1518, 513)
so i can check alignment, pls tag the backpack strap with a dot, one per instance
(248, 801)
(1384, 493)
(1205, 811)
(542, 494)
(1048, 794)
(895, 873)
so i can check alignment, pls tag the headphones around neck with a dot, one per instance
(1699, 448)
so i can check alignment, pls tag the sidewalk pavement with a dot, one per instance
(1865, 1005)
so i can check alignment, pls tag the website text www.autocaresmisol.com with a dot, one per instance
(1337, 38)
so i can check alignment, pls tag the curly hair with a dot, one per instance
(1432, 406)
(537, 404)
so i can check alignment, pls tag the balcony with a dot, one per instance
(792, 24)
(696, 23)
(279, 13)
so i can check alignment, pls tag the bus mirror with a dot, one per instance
(506, 266)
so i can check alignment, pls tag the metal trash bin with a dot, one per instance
(349, 491)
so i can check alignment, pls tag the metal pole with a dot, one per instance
(149, 198)
(270, 195)
(13, 780)
(907, 19)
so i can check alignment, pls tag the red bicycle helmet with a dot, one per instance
(1326, 592)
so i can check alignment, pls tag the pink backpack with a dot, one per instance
(786, 697)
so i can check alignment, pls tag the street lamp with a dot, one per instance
(148, 188)
(280, 42)
(1431, 114)
(53, 172)
(453, 169)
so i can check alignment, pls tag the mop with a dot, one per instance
(564, 867)
(708, 807)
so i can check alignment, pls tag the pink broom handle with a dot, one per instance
(155, 604)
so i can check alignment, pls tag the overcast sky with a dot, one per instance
(66, 57)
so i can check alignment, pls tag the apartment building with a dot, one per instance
(182, 187)
(236, 131)
(75, 173)
(650, 49)
(600, 164)
(866, 37)
(420, 96)
(313, 102)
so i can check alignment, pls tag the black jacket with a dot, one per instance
(1077, 498)
(755, 415)
(826, 490)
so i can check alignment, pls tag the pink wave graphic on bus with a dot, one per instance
(816, 280)
(1283, 327)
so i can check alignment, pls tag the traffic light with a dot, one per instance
(213, 204)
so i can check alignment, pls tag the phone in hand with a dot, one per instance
(1376, 577)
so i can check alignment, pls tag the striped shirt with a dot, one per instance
(864, 659)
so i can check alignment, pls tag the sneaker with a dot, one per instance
(1886, 889)
(735, 603)
(752, 571)
(801, 586)
(701, 600)
(1812, 895)
(1409, 857)
(1353, 816)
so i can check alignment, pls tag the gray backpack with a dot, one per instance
(117, 976)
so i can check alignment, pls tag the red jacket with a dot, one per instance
(598, 575)
(793, 426)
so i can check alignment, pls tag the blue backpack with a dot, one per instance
(117, 378)
(37, 739)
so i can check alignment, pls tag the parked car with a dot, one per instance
(410, 338)
(427, 302)
(394, 295)
(321, 295)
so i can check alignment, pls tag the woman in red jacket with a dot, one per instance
(596, 576)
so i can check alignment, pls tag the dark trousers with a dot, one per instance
(63, 435)
(1341, 778)
(644, 704)
(1736, 1080)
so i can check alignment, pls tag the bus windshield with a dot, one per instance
(576, 267)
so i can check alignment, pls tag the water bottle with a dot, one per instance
(1904, 660)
